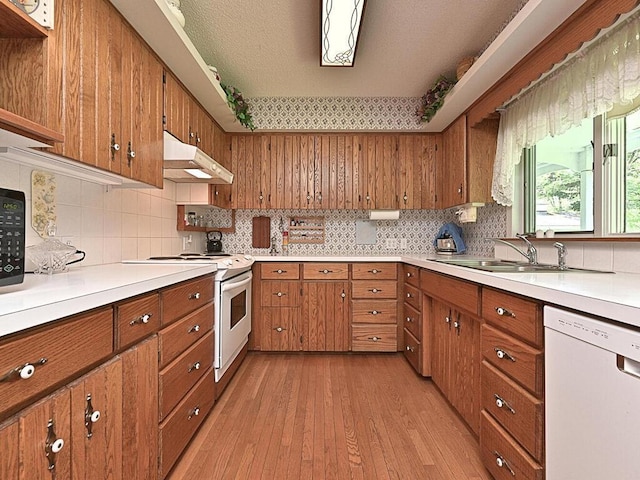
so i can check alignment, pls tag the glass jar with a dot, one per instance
(192, 219)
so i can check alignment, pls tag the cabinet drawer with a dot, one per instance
(516, 315)
(184, 298)
(412, 320)
(176, 431)
(374, 338)
(66, 347)
(325, 271)
(370, 289)
(411, 275)
(136, 319)
(519, 412)
(412, 296)
(179, 336)
(466, 295)
(496, 444)
(412, 350)
(521, 362)
(374, 271)
(374, 311)
(280, 271)
(180, 375)
(280, 294)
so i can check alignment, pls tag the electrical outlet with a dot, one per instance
(403, 244)
(391, 243)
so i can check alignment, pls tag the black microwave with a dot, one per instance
(12, 240)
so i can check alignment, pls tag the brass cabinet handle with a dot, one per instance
(503, 312)
(194, 296)
(24, 371)
(91, 416)
(52, 445)
(503, 354)
(142, 319)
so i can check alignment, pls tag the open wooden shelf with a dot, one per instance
(306, 230)
(183, 227)
(14, 23)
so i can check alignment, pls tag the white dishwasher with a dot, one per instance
(592, 398)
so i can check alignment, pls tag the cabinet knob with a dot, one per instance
(193, 413)
(375, 339)
(279, 294)
(374, 271)
(24, 371)
(460, 190)
(279, 329)
(195, 328)
(501, 403)
(374, 312)
(194, 296)
(280, 272)
(409, 319)
(52, 445)
(502, 463)
(195, 366)
(409, 295)
(503, 312)
(374, 290)
(142, 319)
(343, 295)
(409, 275)
(502, 354)
(409, 348)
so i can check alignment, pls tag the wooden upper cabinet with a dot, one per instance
(464, 174)
(176, 108)
(415, 173)
(222, 195)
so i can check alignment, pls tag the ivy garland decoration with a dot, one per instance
(433, 100)
(239, 106)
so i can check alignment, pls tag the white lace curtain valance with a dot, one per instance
(605, 74)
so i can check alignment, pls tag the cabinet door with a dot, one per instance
(307, 171)
(175, 108)
(429, 153)
(451, 174)
(440, 345)
(385, 168)
(409, 170)
(280, 329)
(465, 360)
(326, 316)
(222, 195)
(140, 411)
(96, 423)
(25, 441)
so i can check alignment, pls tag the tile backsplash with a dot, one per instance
(417, 227)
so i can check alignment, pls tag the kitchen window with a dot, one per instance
(586, 180)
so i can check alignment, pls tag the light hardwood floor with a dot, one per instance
(316, 417)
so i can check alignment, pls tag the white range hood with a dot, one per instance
(184, 163)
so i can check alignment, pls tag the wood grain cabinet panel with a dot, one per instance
(280, 294)
(411, 275)
(516, 315)
(181, 375)
(374, 338)
(325, 316)
(412, 320)
(178, 428)
(520, 361)
(374, 311)
(412, 350)
(185, 297)
(519, 412)
(497, 444)
(136, 319)
(178, 336)
(466, 294)
(54, 353)
(375, 271)
(280, 271)
(325, 271)
(377, 289)
(281, 329)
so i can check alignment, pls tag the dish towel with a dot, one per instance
(454, 231)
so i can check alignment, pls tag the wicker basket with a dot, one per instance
(463, 66)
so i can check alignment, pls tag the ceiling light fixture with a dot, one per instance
(340, 29)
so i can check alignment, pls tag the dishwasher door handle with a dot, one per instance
(628, 365)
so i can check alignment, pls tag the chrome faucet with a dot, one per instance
(532, 253)
(562, 255)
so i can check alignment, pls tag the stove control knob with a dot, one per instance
(228, 262)
(248, 257)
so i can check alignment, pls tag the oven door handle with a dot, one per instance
(226, 286)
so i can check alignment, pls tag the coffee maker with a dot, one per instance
(214, 242)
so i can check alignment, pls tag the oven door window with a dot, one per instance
(238, 308)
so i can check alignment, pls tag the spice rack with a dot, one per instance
(306, 230)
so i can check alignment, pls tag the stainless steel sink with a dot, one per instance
(507, 266)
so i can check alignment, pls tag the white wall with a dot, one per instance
(109, 224)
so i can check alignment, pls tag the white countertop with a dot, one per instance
(43, 298)
(614, 296)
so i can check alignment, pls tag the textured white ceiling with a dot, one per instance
(271, 48)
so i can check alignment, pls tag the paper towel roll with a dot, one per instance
(384, 214)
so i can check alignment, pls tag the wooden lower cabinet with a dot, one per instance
(455, 360)
(281, 329)
(325, 316)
